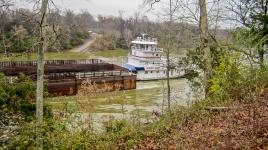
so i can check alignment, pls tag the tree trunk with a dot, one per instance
(168, 55)
(204, 34)
(4, 43)
(261, 52)
(40, 75)
(168, 79)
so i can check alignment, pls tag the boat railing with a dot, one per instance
(145, 58)
(84, 75)
(148, 49)
(146, 39)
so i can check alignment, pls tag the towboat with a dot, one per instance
(149, 62)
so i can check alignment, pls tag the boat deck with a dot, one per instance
(70, 77)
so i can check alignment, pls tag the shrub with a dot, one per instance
(234, 79)
(19, 97)
(105, 42)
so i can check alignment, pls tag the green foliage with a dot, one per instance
(19, 96)
(227, 78)
(115, 126)
(249, 44)
(121, 43)
(254, 16)
(65, 31)
(56, 136)
(235, 79)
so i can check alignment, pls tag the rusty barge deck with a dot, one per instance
(71, 77)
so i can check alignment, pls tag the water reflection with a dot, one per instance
(149, 96)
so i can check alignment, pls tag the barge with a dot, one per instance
(72, 77)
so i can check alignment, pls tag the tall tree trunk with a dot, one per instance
(4, 43)
(168, 56)
(261, 52)
(204, 34)
(40, 74)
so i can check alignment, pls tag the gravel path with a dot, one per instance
(85, 46)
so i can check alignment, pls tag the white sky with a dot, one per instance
(104, 7)
(112, 7)
(96, 7)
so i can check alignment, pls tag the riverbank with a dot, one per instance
(65, 55)
(201, 128)
(194, 127)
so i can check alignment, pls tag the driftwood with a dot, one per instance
(218, 109)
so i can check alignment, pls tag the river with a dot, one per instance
(149, 97)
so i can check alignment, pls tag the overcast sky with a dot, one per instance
(111, 7)
(96, 7)
(104, 7)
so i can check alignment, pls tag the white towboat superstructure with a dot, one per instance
(148, 61)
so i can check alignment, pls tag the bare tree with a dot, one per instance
(40, 73)
(168, 55)
(5, 3)
(172, 7)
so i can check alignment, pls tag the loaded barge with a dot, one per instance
(71, 77)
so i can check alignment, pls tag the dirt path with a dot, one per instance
(84, 47)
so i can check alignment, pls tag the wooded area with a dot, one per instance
(67, 30)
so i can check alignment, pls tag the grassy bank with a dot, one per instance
(195, 127)
(64, 55)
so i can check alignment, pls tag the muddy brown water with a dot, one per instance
(149, 97)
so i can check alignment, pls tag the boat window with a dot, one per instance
(151, 71)
(146, 72)
(157, 71)
(156, 54)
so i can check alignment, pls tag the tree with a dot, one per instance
(253, 14)
(170, 33)
(5, 3)
(204, 36)
(121, 41)
(40, 72)
(168, 54)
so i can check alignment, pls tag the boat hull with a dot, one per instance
(158, 75)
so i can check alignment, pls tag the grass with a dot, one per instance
(185, 128)
(48, 56)
(112, 53)
(65, 55)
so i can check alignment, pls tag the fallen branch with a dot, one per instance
(216, 109)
